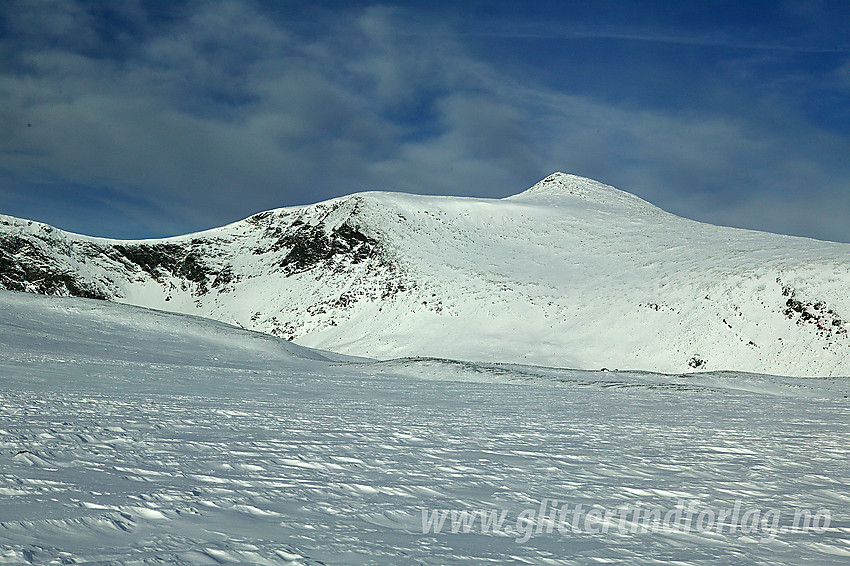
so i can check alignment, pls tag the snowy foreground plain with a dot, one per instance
(134, 436)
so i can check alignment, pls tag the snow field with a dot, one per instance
(131, 437)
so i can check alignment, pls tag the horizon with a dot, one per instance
(309, 204)
(154, 119)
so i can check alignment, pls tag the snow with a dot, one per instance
(132, 436)
(569, 273)
(563, 184)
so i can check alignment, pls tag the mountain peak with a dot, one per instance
(564, 184)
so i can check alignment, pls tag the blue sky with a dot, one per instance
(144, 118)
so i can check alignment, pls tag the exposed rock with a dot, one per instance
(24, 266)
(310, 246)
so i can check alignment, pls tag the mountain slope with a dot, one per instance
(570, 273)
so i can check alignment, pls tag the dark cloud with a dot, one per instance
(161, 118)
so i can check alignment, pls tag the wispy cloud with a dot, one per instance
(697, 39)
(202, 116)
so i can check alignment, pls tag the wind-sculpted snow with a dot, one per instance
(570, 273)
(132, 436)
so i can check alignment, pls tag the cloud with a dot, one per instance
(213, 111)
(842, 76)
(225, 106)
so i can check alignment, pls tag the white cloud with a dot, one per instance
(229, 111)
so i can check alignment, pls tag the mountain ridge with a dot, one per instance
(570, 273)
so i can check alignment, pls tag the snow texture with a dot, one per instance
(132, 436)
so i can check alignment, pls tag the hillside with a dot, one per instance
(570, 273)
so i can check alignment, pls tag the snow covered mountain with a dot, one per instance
(570, 273)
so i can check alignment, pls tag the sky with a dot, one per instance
(141, 119)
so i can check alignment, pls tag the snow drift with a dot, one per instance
(133, 436)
